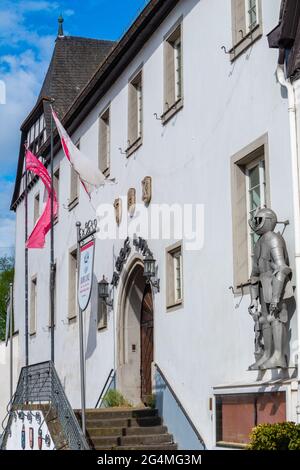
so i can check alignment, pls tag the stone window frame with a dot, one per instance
(239, 163)
(72, 288)
(33, 305)
(171, 108)
(242, 39)
(104, 134)
(243, 389)
(36, 208)
(135, 103)
(171, 301)
(56, 186)
(74, 185)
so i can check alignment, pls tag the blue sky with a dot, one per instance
(27, 33)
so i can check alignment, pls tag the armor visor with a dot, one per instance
(256, 223)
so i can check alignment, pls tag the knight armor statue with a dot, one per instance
(270, 286)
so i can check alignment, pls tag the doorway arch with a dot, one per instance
(135, 336)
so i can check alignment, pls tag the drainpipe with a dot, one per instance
(293, 90)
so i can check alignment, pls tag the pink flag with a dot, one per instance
(87, 170)
(43, 224)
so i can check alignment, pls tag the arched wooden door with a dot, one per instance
(146, 344)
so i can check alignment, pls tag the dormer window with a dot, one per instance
(36, 136)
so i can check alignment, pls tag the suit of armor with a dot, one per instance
(270, 286)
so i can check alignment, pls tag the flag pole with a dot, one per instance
(11, 339)
(26, 267)
(52, 262)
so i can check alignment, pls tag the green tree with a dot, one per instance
(6, 277)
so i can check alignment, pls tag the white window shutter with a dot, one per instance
(169, 78)
(238, 20)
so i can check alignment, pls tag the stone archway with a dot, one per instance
(134, 338)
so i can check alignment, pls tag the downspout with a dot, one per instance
(286, 83)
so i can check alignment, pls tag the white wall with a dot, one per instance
(226, 107)
(5, 374)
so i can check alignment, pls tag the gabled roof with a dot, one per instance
(108, 71)
(74, 62)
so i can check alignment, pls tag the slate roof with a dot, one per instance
(74, 62)
(286, 37)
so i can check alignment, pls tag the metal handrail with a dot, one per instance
(101, 396)
(39, 383)
(199, 437)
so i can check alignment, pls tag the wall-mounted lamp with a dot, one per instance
(150, 271)
(103, 292)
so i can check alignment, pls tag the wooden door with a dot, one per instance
(146, 344)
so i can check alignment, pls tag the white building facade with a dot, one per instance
(210, 127)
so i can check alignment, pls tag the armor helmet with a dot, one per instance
(263, 221)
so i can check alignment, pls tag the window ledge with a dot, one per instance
(175, 306)
(72, 320)
(133, 147)
(246, 42)
(32, 335)
(171, 111)
(73, 203)
(102, 328)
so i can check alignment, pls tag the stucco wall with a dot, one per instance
(207, 342)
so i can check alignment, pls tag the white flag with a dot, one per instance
(86, 169)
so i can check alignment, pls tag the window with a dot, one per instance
(56, 185)
(102, 314)
(74, 186)
(256, 196)
(36, 209)
(250, 190)
(251, 14)
(104, 142)
(135, 113)
(173, 73)
(36, 135)
(238, 414)
(33, 306)
(174, 276)
(246, 25)
(72, 313)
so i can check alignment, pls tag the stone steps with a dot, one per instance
(126, 429)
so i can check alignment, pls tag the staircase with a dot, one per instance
(126, 429)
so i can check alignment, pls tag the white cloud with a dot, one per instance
(68, 12)
(22, 69)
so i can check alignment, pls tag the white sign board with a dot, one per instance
(29, 431)
(85, 280)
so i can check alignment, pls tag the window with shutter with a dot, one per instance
(135, 113)
(33, 306)
(173, 73)
(250, 189)
(36, 208)
(56, 188)
(237, 414)
(72, 311)
(246, 25)
(104, 142)
(174, 276)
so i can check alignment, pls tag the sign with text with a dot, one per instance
(86, 274)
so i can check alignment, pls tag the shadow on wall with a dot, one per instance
(169, 408)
